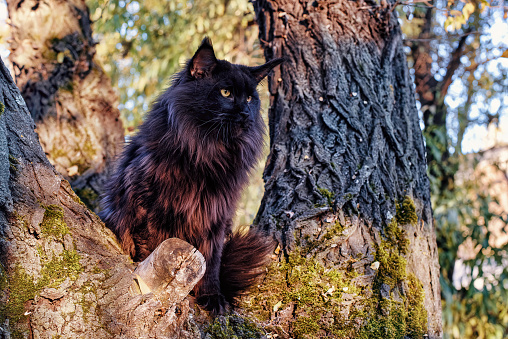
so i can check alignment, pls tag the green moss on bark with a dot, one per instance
(387, 319)
(59, 268)
(316, 293)
(335, 230)
(53, 223)
(306, 326)
(406, 211)
(393, 314)
(416, 312)
(330, 196)
(326, 303)
(390, 255)
(311, 244)
(3, 279)
(19, 288)
(76, 198)
(233, 327)
(392, 266)
(86, 305)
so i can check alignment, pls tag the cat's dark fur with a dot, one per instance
(182, 174)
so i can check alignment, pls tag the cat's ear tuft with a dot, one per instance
(204, 61)
(260, 72)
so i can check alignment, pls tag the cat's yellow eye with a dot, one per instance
(249, 98)
(225, 93)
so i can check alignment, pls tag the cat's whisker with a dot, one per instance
(217, 136)
(209, 121)
(220, 113)
(212, 89)
(210, 130)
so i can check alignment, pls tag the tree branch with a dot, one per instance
(79, 282)
(453, 65)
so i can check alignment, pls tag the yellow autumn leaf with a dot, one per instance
(458, 24)
(485, 5)
(454, 23)
(505, 54)
(448, 22)
(468, 10)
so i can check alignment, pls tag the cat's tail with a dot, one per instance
(243, 261)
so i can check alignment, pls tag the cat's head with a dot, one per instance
(219, 98)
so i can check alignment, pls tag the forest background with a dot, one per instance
(458, 56)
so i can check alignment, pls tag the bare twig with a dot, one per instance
(453, 65)
(458, 36)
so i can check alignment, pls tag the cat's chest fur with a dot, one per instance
(189, 189)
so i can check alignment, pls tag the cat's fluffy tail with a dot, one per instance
(244, 257)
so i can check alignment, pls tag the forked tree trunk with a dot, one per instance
(347, 194)
(66, 91)
(62, 273)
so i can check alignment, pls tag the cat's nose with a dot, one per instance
(244, 115)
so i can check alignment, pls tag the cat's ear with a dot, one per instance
(260, 72)
(204, 61)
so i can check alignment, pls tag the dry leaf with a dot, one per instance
(277, 306)
(73, 170)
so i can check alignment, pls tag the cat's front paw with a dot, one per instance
(215, 303)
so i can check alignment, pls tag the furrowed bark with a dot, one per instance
(346, 151)
(67, 93)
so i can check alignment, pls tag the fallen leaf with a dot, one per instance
(330, 290)
(73, 170)
(277, 250)
(277, 306)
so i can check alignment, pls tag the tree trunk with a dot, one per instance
(347, 194)
(62, 273)
(66, 91)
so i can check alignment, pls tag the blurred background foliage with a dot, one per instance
(458, 57)
(455, 51)
(142, 43)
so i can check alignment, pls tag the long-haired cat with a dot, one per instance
(182, 174)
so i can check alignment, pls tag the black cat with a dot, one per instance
(182, 174)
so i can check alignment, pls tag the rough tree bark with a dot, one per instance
(62, 273)
(66, 91)
(346, 183)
